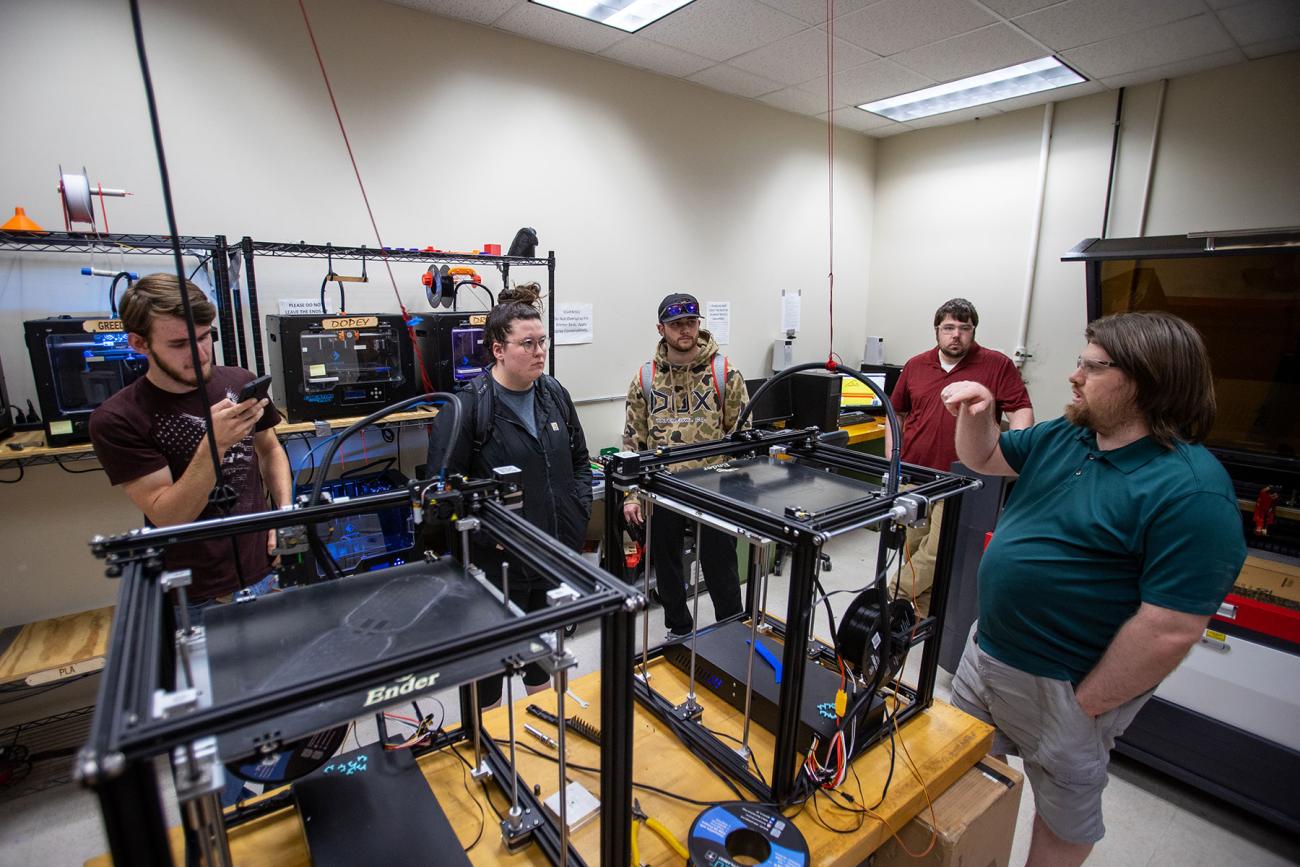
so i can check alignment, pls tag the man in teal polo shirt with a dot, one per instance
(1120, 539)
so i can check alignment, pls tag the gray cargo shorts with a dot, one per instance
(1065, 751)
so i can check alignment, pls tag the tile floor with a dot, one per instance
(1152, 820)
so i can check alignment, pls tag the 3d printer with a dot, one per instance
(451, 346)
(339, 366)
(358, 543)
(78, 362)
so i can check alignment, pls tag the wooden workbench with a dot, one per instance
(32, 450)
(943, 741)
(50, 650)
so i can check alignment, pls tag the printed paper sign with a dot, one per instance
(791, 303)
(293, 306)
(573, 324)
(718, 321)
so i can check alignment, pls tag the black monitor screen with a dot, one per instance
(775, 404)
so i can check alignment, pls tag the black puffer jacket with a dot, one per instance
(556, 466)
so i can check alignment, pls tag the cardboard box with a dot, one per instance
(975, 821)
(1269, 581)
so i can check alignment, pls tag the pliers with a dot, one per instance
(639, 815)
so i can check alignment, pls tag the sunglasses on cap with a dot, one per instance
(689, 308)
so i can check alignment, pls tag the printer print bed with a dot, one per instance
(773, 485)
(307, 633)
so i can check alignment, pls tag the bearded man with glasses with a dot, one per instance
(1120, 539)
(929, 429)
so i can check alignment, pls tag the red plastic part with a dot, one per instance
(1263, 617)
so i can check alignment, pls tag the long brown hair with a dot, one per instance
(1166, 359)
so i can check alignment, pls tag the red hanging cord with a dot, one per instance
(830, 175)
(415, 344)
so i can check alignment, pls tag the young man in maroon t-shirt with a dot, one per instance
(152, 439)
(929, 430)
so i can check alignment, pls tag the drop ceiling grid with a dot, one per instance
(774, 51)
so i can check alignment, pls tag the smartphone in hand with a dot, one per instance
(256, 388)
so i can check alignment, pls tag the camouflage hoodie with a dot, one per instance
(684, 403)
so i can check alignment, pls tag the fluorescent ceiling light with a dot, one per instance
(1024, 78)
(629, 15)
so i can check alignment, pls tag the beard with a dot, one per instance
(181, 376)
(1079, 416)
(954, 354)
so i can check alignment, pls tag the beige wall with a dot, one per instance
(642, 186)
(954, 204)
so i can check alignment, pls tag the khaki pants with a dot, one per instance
(922, 546)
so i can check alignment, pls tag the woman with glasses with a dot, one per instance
(515, 414)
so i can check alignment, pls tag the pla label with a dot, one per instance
(1217, 636)
(478, 319)
(99, 326)
(345, 322)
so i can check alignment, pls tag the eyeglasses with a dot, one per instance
(690, 308)
(530, 344)
(1094, 366)
(953, 329)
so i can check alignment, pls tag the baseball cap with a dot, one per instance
(678, 306)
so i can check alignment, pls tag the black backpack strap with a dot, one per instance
(481, 388)
(556, 395)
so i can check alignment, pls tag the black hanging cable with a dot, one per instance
(222, 496)
(330, 275)
(324, 559)
(894, 456)
(112, 290)
(343, 303)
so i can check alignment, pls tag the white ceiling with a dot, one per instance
(774, 51)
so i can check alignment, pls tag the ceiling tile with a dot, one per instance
(558, 28)
(874, 80)
(796, 100)
(1014, 8)
(721, 29)
(1156, 46)
(887, 131)
(664, 59)
(801, 57)
(961, 115)
(732, 80)
(1174, 70)
(1261, 20)
(1080, 22)
(991, 47)
(480, 11)
(897, 25)
(1083, 88)
(814, 11)
(1269, 47)
(856, 118)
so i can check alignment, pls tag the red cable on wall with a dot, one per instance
(406, 316)
(830, 175)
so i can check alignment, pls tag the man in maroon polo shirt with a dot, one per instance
(929, 430)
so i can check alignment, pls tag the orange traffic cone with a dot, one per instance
(20, 222)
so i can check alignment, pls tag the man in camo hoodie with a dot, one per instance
(694, 396)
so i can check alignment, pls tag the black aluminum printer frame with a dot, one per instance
(804, 533)
(125, 737)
